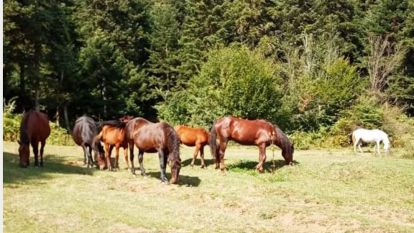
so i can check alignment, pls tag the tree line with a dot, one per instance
(304, 64)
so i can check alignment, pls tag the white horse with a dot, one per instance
(366, 135)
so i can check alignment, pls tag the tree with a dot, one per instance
(233, 81)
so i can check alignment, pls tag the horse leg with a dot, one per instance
(197, 148)
(359, 147)
(221, 155)
(108, 150)
(131, 157)
(262, 157)
(378, 147)
(88, 154)
(203, 165)
(35, 152)
(84, 153)
(42, 146)
(355, 146)
(141, 162)
(126, 157)
(117, 157)
(90, 162)
(161, 155)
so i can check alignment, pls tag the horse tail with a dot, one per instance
(350, 137)
(213, 141)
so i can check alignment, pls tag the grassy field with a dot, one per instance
(326, 191)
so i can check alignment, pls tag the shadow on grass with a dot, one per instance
(184, 180)
(12, 173)
(197, 162)
(244, 165)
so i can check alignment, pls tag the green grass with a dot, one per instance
(326, 191)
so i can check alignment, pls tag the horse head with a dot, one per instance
(24, 153)
(175, 171)
(126, 118)
(287, 153)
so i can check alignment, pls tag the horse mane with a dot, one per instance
(24, 137)
(281, 139)
(173, 145)
(113, 123)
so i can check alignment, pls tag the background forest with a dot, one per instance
(316, 68)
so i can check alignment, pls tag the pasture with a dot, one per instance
(326, 191)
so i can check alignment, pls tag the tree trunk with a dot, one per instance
(57, 115)
(65, 115)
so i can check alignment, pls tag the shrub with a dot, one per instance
(233, 81)
(11, 128)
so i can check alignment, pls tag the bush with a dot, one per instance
(233, 81)
(11, 128)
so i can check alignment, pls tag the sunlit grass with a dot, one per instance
(326, 191)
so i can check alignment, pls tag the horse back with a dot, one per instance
(84, 130)
(245, 132)
(133, 126)
(37, 125)
(113, 135)
(192, 136)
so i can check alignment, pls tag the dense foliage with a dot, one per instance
(309, 66)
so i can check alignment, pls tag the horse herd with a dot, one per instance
(128, 133)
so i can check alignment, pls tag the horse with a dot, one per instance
(248, 132)
(112, 135)
(361, 135)
(83, 134)
(161, 138)
(34, 128)
(131, 129)
(197, 137)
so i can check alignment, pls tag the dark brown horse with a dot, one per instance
(34, 128)
(112, 135)
(161, 138)
(131, 129)
(83, 134)
(248, 132)
(197, 137)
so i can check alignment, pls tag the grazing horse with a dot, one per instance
(360, 136)
(34, 128)
(83, 134)
(131, 129)
(248, 132)
(197, 137)
(161, 138)
(112, 134)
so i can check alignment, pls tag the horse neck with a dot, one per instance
(173, 144)
(24, 135)
(386, 142)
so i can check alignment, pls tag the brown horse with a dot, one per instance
(83, 134)
(248, 132)
(34, 128)
(161, 138)
(112, 135)
(131, 129)
(197, 137)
